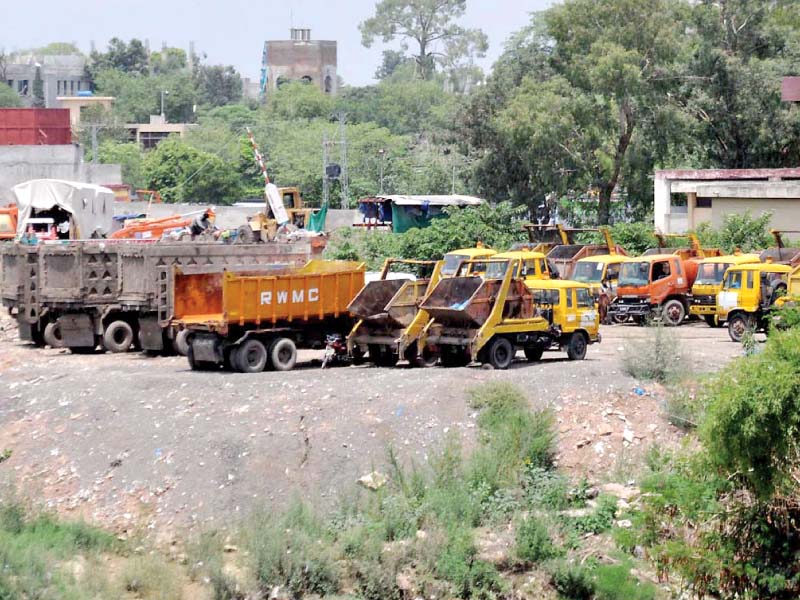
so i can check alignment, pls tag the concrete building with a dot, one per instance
(23, 163)
(685, 198)
(76, 105)
(61, 76)
(301, 59)
(148, 135)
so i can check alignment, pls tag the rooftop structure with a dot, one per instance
(300, 59)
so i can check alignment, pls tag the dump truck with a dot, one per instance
(781, 253)
(454, 258)
(748, 295)
(388, 312)
(658, 283)
(527, 265)
(543, 238)
(251, 321)
(564, 257)
(114, 294)
(710, 272)
(488, 319)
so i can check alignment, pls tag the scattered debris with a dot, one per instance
(374, 480)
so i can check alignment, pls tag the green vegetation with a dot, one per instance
(657, 356)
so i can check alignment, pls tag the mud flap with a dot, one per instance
(24, 330)
(77, 331)
(206, 348)
(151, 335)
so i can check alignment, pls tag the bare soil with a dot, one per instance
(142, 444)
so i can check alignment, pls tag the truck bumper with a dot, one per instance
(630, 310)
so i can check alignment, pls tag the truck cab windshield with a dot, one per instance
(588, 272)
(634, 274)
(497, 270)
(711, 273)
(451, 262)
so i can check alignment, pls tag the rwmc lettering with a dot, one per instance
(298, 296)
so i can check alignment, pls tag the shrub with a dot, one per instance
(600, 520)
(375, 582)
(149, 577)
(533, 543)
(471, 578)
(656, 357)
(615, 582)
(572, 581)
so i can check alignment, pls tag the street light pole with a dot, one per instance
(163, 114)
(382, 154)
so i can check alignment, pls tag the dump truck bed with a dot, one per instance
(388, 302)
(218, 299)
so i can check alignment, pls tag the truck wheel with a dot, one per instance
(534, 353)
(673, 312)
(182, 341)
(737, 326)
(246, 235)
(283, 354)
(500, 353)
(118, 336)
(428, 358)
(52, 335)
(250, 357)
(576, 349)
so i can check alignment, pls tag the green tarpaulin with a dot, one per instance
(316, 221)
(408, 217)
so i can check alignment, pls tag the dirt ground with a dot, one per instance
(136, 443)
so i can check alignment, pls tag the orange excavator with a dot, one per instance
(147, 228)
(8, 222)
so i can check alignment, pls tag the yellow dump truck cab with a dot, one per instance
(469, 255)
(528, 265)
(594, 270)
(710, 272)
(571, 310)
(748, 294)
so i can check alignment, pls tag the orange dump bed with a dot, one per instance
(220, 299)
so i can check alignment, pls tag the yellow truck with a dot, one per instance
(456, 257)
(748, 294)
(708, 283)
(488, 319)
(388, 313)
(527, 265)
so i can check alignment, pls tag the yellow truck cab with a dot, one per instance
(569, 307)
(594, 270)
(468, 255)
(710, 272)
(748, 293)
(528, 265)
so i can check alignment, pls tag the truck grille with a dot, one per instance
(705, 300)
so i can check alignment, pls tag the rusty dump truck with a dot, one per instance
(113, 294)
(389, 318)
(254, 320)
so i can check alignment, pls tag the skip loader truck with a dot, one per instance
(487, 319)
(708, 283)
(251, 321)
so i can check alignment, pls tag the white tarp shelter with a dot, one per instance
(91, 206)
(444, 200)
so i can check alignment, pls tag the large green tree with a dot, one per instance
(8, 97)
(218, 85)
(431, 25)
(128, 57)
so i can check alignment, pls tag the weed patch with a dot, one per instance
(657, 357)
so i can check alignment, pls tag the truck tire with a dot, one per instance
(246, 235)
(52, 335)
(197, 365)
(738, 324)
(118, 337)
(250, 357)
(576, 348)
(673, 312)
(182, 341)
(455, 357)
(534, 353)
(500, 353)
(283, 354)
(429, 357)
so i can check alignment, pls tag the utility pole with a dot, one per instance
(345, 183)
(382, 154)
(326, 192)
(163, 114)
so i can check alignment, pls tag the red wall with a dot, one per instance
(34, 126)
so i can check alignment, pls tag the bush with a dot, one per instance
(656, 357)
(572, 581)
(471, 578)
(615, 582)
(738, 231)
(600, 520)
(149, 577)
(533, 544)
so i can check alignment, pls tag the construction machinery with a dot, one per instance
(250, 321)
(563, 258)
(749, 293)
(543, 238)
(388, 313)
(488, 319)
(781, 253)
(658, 283)
(8, 222)
(144, 228)
(708, 283)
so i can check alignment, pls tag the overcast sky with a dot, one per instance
(233, 31)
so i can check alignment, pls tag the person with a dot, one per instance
(202, 223)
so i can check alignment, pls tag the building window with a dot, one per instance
(328, 84)
(703, 203)
(22, 87)
(150, 139)
(10, 83)
(71, 88)
(306, 79)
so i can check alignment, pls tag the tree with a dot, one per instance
(126, 57)
(138, 97)
(298, 100)
(8, 97)
(55, 49)
(218, 85)
(391, 60)
(129, 156)
(37, 89)
(183, 174)
(169, 60)
(431, 25)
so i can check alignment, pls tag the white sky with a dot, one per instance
(233, 31)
